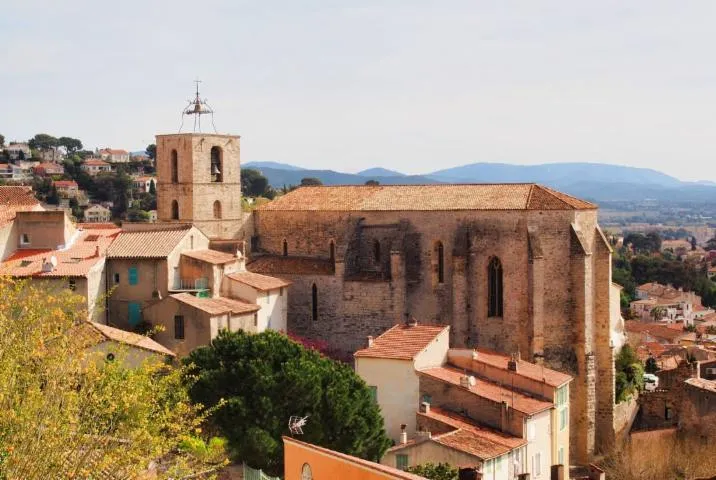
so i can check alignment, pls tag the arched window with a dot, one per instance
(217, 209)
(175, 166)
(494, 288)
(314, 302)
(285, 248)
(216, 165)
(440, 256)
(332, 251)
(175, 210)
(376, 251)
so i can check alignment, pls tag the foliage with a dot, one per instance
(373, 183)
(42, 141)
(152, 151)
(651, 366)
(629, 374)
(310, 181)
(2, 140)
(152, 187)
(440, 471)
(137, 215)
(264, 379)
(71, 145)
(711, 330)
(253, 183)
(649, 243)
(69, 413)
(657, 313)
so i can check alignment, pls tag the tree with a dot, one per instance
(257, 382)
(372, 183)
(657, 313)
(53, 198)
(67, 411)
(693, 243)
(310, 181)
(42, 141)
(152, 151)
(253, 183)
(72, 145)
(651, 366)
(2, 140)
(152, 187)
(711, 244)
(137, 215)
(440, 471)
(629, 374)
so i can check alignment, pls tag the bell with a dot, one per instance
(215, 170)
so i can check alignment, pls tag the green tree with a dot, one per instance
(253, 183)
(657, 313)
(651, 366)
(693, 243)
(310, 181)
(42, 141)
(629, 374)
(137, 215)
(372, 183)
(2, 140)
(72, 145)
(152, 187)
(440, 471)
(152, 151)
(259, 381)
(53, 198)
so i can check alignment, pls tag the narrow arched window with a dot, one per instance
(314, 302)
(217, 209)
(217, 174)
(440, 253)
(494, 288)
(175, 210)
(332, 251)
(376, 251)
(285, 248)
(175, 166)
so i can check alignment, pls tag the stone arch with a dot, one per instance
(217, 164)
(494, 288)
(217, 210)
(174, 166)
(175, 210)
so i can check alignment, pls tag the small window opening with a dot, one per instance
(376, 251)
(494, 288)
(285, 248)
(179, 327)
(217, 209)
(175, 210)
(314, 302)
(175, 167)
(216, 165)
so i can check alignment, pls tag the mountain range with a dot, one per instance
(592, 181)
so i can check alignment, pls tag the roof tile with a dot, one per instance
(211, 256)
(272, 264)
(157, 243)
(217, 305)
(402, 342)
(258, 281)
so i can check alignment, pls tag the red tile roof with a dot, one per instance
(113, 151)
(426, 197)
(258, 281)
(271, 264)
(488, 390)
(211, 256)
(402, 342)
(218, 305)
(95, 162)
(16, 199)
(65, 184)
(129, 338)
(653, 329)
(157, 243)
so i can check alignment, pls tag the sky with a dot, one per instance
(414, 86)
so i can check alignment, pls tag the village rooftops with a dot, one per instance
(654, 329)
(217, 305)
(95, 162)
(272, 264)
(701, 383)
(157, 242)
(527, 196)
(402, 342)
(99, 333)
(488, 390)
(16, 199)
(258, 281)
(65, 184)
(214, 257)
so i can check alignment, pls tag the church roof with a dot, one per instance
(506, 196)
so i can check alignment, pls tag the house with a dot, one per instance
(152, 216)
(304, 461)
(95, 166)
(139, 157)
(143, 184)
(707, 370)
(67, 188)
(495, 413)
(639, 333)
(12, 172)
(14, 199)
(107, 343)
(52, 250)
(48, 169)
(98, 214)
(52, 154)
(18, 151)
(674, 304)
(113, 155)
(698, 410)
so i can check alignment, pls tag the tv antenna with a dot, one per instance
(197, 107)
(296, 424)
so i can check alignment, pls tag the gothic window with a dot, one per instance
(175, 210)
(285, 248)
(494, 288)
(376, 251)
(440, 259)
(314, 302)
(175, 167)
(332, 251)
(217, 209)
(216, 165)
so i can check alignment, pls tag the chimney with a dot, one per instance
(96, 251)
(474, 354)
(467, 381)
(412, 322)
(425, 408)
(403, 434)
(370, 341)
(242, 261)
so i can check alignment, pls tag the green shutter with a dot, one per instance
(401, 461)
(133, 276)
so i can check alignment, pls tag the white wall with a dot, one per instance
(274, 306)
(497, 469)
(435, 354)
(539, 441)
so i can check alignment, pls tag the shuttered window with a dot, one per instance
(133, 276)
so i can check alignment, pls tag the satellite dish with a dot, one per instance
(296, 424)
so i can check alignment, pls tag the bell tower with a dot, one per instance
(199, 177)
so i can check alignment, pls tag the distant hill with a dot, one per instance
(380, 172)
(279, 177)
(276, 165)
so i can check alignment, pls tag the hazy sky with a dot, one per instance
(408, 85)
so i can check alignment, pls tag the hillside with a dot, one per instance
(280, 177)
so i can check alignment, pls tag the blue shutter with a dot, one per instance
(133, 276)
(135, 314)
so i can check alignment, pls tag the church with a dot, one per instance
(516, 268)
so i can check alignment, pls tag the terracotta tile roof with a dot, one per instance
(113, 151)
(16, 199)
(157, 243)
(271, 264)
(703, 384)
(211, 256)
(218, 305)
(488, 390)
(426, 197)
(129, 338)
(524, 368)
(402, 342)
(258, 281)
(75, 261)
(65, 184)
(95, 162)
(389, 472)
(653, 329)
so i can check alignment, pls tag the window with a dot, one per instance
(116, 278)
(24, 239)
(440, 254)
(537, 464)
(494, 288)
(306, 473)
(285, 248)
(133, 276)
(427, 398)
(256, 319)
(175, 167)
(376, 251)
(216, 165)
(667, 412)
(563, 418)
(135, 314)
(373, 392)
(72, 284)
(332, 251)
(531, 431)
(175, 210)
(217, 209)
(179, 327)
(560, 456)
(498, 464)
(401, 461)
(488, 470)
(314, 302)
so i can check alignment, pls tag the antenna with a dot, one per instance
(296, 424)
(197, 107)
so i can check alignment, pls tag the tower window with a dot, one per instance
(285, 248)
(440, 261)
(217, 209)
(376, 251)
(314, 302)
(175, 210)
(494, 288)
(175, 166)
(216, 165)
(332, 251)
